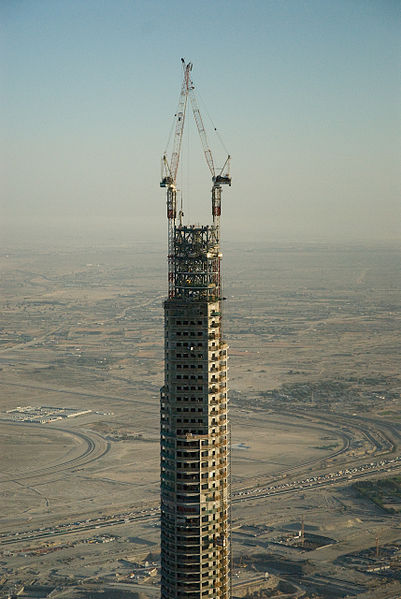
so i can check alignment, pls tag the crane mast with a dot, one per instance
(170, 168)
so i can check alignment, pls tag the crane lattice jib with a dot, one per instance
(179, 128)
(201, 129)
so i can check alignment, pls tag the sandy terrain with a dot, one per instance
(315, 388)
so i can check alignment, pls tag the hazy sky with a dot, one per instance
(306, 95)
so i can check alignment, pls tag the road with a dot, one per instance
(95, 447)
(384, 438)
(390, 465)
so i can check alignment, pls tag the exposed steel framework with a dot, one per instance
(170, 169)
(195, 433)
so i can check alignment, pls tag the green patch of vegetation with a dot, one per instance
(392, 413)
(381, 492)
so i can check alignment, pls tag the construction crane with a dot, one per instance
(170, 167)
(169, 172)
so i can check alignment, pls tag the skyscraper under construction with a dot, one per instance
(195, 434)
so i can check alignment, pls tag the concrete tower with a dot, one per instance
(195, 434)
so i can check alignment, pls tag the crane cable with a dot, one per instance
(170, 134)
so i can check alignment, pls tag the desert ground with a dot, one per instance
(314, 336)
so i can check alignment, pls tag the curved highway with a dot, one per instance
(95, 448)
(384, 436)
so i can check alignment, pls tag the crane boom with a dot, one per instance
(201, 129)
(223, 177)
(169, 175)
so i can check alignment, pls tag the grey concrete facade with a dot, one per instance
(195, 436)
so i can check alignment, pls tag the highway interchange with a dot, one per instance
(384, 439)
